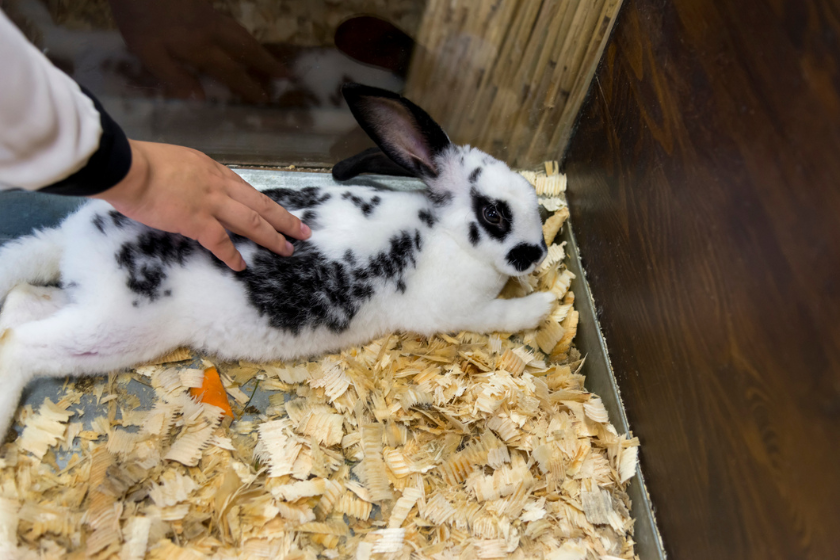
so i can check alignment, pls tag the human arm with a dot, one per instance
(56, 138)
(48, 128)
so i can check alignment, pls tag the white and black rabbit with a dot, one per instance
(378, 261)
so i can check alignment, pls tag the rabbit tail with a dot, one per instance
(32, 259)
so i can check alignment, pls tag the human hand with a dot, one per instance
(172, 36)
(181, 190)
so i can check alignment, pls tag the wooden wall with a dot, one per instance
(508, 76)
(704, 185)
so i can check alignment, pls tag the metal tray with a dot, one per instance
(22, 212)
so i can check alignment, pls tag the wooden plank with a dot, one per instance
(578, 91)
(498, 74)
(703, 183)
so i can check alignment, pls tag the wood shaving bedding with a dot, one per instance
(460, 445)
(43, 430)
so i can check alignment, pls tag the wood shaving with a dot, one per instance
(459, 445)
(177, 355)
(353, 506)
(549, 182)
(278, 446)
(495, 548)
(297, 490)
(627, 464)
(196, 435)
(552, 226)
(325, 427)
(43, 430)
(390, 540)
(136, 538)
(403, 506)
(556, 253)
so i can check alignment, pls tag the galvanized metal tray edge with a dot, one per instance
(600, 379)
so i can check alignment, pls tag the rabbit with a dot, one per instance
(378, 261)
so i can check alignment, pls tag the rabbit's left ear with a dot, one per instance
(402, 130)
(372, 160)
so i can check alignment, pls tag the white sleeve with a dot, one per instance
(48, 128)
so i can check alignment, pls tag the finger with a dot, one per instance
(277, 216)
(240, 219)
(215, 239)
(224, 68)
(177, 79)
(248, 51)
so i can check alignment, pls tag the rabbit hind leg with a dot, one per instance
(27, 303)
(73, 341)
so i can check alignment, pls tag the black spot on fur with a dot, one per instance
(167, 293)
(475, 237)
(524, 255)
(462, 160)
(476, 173)
(298, 199)
(439, 199)
(119, 220)
(401, 286)
(426, 217)
(366, 206)
(418, 239)
(135, 303)
(310, 218)
(391, 264)
(99, 222)
(496, 231)
(147, 259)
(363, 291)
(307, 290)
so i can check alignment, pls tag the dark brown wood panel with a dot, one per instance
(704, 184)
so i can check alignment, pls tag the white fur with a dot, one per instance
(91, 326)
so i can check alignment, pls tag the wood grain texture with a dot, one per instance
(704, 184)
(508, 76)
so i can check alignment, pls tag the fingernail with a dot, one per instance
(304, 230)
(289, 248)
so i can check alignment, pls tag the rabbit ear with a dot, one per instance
(371, 160)
(404, 131)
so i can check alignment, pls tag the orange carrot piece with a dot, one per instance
(212, 391)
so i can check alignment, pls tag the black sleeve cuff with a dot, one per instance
(108, 165)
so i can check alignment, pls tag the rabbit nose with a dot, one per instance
(524, 255)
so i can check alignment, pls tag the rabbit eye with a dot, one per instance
(492, 216)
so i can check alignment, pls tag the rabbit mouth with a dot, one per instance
(526, 255)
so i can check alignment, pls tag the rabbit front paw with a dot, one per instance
(532, 310)
(512, 315)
